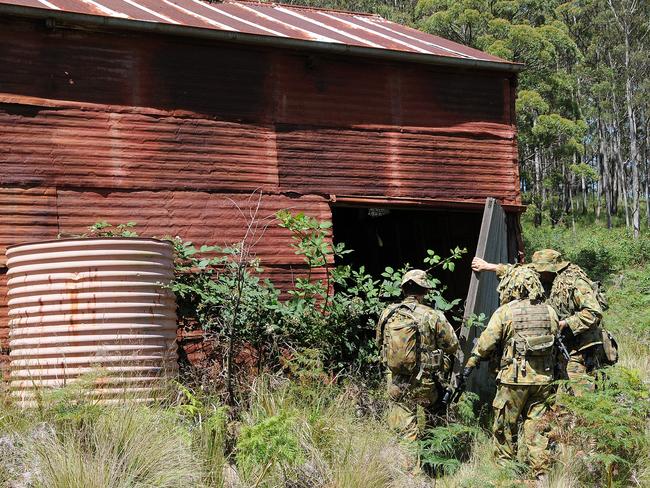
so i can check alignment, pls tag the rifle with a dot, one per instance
(559, 341)
(452, 395)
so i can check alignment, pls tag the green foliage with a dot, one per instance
(269, 442)
(444, 449)
(609, 425)
(599, 251)
(104, 229)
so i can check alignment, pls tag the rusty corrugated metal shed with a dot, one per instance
(98, 122)
(270, 21)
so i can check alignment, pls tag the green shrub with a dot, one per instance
(271, 442)
(443, 449)
(608, 426)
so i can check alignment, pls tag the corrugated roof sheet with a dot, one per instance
(272, 21)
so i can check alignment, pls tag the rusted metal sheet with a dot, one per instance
(274, 21)
(323, 130)
(81, 305)
(26, 214)
(203, 218)
(482, 297)
(401, 94)
(130, 150)
(411, 164)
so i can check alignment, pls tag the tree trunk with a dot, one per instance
(583, 187)
(537, 219)
(631, 121)
(606, 174)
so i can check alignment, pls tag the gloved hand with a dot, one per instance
(462, 379)
(472, 362)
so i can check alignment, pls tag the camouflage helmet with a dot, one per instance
(418, 277)
(519, 283)
(548, 261)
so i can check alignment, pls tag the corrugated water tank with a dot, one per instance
(92, 308)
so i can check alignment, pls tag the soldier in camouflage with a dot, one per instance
(569, 291)
(571, 294)
(414, 393)
(522, 333)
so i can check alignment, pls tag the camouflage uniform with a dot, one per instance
(414, 399)
(525, 389)
(574, 300)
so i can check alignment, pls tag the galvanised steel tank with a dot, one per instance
(94, 308)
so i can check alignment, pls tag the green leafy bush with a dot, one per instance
(445, 448)
(332, 309)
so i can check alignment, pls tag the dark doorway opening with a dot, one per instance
(383, 236)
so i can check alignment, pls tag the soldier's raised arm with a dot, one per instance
(480, 265)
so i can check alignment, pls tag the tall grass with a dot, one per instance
(122, 447)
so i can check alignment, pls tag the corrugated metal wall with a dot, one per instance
(168, 132)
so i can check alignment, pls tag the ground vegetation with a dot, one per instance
(305, 417)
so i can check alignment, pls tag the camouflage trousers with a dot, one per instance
(527, 403)
(583, 366)
(413, 405)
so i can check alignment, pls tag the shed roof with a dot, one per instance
(265, 23)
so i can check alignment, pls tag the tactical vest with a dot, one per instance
(561, 299)
(529, 358)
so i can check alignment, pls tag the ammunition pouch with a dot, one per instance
(431, 363)
(539, 346)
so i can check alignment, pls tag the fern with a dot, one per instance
(443, 449)
(608, 424)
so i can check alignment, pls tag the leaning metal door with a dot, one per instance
(482, 297)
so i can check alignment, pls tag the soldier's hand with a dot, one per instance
(562, 324)
(480, 265)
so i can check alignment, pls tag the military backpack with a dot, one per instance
(610, 348)
(403, 349)
(561, 288)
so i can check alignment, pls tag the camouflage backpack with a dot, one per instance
(610, 348)
(402, 345)
(563, 284)
(562, 289)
